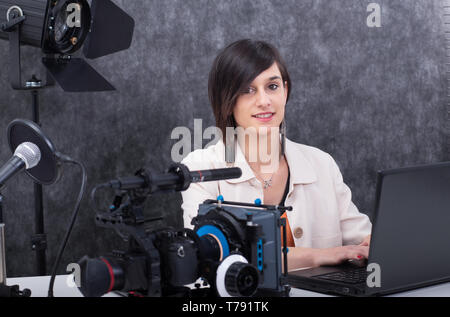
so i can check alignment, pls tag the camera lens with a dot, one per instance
(210, 248)
(241, 279)
(99, 276)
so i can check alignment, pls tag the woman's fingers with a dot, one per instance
(354, 252)
(337, 255)
(358, 252)
(366, 241)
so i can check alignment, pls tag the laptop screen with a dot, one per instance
(411, 231)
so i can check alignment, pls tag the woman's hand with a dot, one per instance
(366, 241)
(337, 255)
(299, 257)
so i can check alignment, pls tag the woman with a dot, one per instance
(249, 87)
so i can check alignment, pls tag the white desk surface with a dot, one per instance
(65, 288)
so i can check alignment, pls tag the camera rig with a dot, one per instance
(235, 248)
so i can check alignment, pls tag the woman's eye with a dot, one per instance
(251, 90)
(273, 87)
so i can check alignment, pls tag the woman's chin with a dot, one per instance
(267, 130)
(262, 130)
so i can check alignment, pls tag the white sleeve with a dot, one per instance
(355, 226)
(197, 193)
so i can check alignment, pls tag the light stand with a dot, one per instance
(39, 240)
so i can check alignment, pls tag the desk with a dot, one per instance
(65, 288)
(439, 290)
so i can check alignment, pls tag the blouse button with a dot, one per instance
(298, 233)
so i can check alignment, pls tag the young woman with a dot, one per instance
(249, 87)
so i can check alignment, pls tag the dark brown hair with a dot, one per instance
(233, 70)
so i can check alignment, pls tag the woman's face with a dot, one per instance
(263, 103)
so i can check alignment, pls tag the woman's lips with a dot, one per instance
(264, 117)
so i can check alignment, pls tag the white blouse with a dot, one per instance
(323, 214)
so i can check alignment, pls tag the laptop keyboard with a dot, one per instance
(350, 276)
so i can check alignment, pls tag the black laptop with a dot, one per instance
(410, 244)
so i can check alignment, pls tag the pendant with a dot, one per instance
(268, 184)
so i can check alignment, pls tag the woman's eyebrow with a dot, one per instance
(272, 78)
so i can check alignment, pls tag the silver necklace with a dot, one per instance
(268, 183)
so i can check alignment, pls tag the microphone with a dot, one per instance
(178, 178)
(26, 156)
(215, 175)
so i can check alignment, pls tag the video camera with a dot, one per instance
(235, 248)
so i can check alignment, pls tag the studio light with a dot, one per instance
(61, 28)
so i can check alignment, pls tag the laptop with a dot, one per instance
(410, 244)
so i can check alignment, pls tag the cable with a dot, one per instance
(67, 159)
(93, 192)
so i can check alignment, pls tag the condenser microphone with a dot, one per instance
(26, 156)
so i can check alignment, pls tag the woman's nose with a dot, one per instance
(262, 99)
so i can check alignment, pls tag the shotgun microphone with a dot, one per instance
(177, 178)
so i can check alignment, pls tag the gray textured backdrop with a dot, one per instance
(374, 98)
